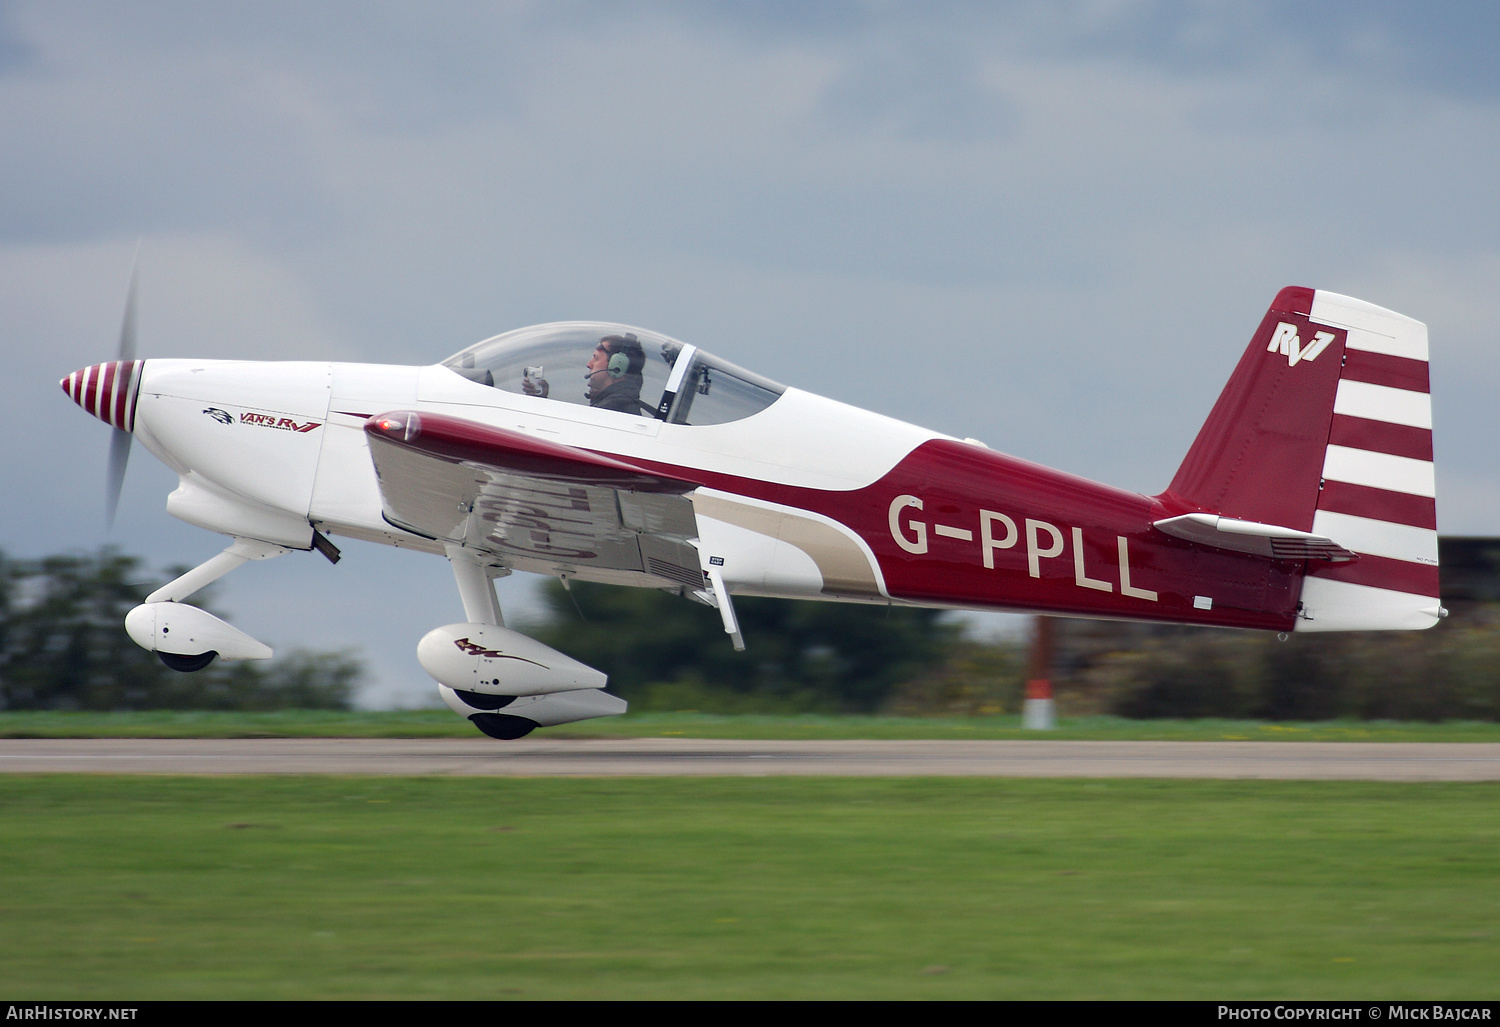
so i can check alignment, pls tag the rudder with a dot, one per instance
(1379, 495)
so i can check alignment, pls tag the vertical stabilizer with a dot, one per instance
(1260, 454)
(1326, 427)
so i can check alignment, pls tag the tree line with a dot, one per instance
(1448, 672)
(662, 652)
(63, 646)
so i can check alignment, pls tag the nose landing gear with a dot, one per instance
(187, 638)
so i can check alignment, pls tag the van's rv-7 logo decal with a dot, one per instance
(272, 421)
(475, 649)
(1284, 340)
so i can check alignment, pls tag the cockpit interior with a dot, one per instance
(616, 367)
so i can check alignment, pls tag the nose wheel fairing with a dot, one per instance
(541, 710)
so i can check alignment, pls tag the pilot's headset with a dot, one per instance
(619, 362)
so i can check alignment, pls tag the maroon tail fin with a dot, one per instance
(1326, 428)
(1259, 456)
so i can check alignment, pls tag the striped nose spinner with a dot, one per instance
(108, 391)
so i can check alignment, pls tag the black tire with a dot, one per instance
(503, 725)
(187, 664)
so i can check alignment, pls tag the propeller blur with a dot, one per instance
(120, 438)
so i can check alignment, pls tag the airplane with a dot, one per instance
(608, 453)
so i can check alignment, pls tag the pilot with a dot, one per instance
(614, 374)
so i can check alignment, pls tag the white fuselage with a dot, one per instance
(272, 450)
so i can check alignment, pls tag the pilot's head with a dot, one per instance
(614, 358)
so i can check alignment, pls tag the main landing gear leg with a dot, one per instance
(476, 585)
(475, 577)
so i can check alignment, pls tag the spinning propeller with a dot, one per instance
(108, 391)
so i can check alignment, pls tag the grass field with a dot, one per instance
(159, 888)
(443, 724)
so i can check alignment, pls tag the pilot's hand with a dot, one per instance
(535, 387)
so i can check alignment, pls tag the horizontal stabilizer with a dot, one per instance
(1251, 537)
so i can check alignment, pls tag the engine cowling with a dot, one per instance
(493, 660)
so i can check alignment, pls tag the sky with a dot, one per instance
(1051, 226)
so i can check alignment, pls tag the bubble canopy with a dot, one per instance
(617, 367)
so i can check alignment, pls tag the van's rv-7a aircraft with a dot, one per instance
(613, 454)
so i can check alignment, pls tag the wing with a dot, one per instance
(536, 505)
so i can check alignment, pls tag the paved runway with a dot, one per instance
(651, 757)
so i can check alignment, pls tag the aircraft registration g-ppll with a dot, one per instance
(613, 454)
